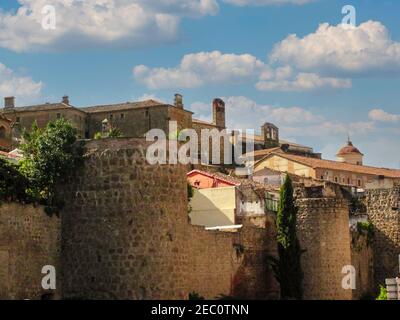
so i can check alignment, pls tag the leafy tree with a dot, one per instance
(49, 156)
(288, 268)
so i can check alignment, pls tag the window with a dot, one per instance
(336, 179)
(2, 132)
(18, 120)
(322, 177)
(359, 182)
(58, 115)
(122, 116)
(147, 112)
(111, 116)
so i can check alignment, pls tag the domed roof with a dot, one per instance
(349, 149)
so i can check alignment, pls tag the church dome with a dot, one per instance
(349, 149)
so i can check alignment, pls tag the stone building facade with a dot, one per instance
(5, 133)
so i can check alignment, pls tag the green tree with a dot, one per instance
(288, 268)
(49, 157)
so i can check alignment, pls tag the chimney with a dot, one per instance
(65, 100)
(9, 102)
(178, 102)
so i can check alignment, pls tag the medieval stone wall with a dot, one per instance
(126, 235)
(362, 260)
(29, 240)
(383, 208)
(323, 231)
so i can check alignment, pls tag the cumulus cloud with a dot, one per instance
(243, 3)
(201, 68)
(23, 88)
(86, 23)
(341, 49)
(284, 79)
(380, 115)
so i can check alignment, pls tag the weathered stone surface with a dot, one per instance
(323, 230)
(126, 235)
(29, 240)
(383, 206)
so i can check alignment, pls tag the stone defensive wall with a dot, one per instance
(383, 208)
(29, 240)
(126, 235)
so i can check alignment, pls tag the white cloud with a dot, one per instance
(380, 115)
(341, 49)
(128, 23)
(284, 79)
(198, 69)
(201, 68)
(22, 87)
(266, 2)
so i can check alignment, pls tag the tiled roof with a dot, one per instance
(263, 152)
(335, 165)
(123, 106)
(239, 182)
(348, 149)
(10, 156)
(3, 117)
(220, 176)
(260, 138)
(40, 107)
(203, 122)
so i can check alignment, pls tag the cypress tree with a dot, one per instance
(288, 268)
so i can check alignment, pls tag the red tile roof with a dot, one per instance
(335, 165)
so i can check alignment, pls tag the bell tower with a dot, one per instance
(219, 113)
(270, 133)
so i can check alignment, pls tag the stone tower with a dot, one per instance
(219, 113)
(270, 132)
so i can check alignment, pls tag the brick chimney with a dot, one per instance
(178, 101)
(9, 103)
(65, 100)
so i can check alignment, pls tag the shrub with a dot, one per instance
(382, 293)
(195, 296)
(366, 228)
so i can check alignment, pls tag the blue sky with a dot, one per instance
(316, 86)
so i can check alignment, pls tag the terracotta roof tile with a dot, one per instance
(40, 107)
(123, 106)
(335, 165)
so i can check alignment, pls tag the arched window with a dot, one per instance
(2, 132)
